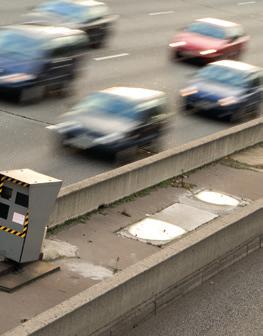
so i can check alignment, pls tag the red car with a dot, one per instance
(210, 39)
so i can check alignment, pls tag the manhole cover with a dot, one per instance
(153, 230)
(216, 198)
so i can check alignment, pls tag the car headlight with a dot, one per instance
(177, 44)
(109, 138)
(18, 77)
(227, 101)
(188, 91)
(207, 52)
(65, 127)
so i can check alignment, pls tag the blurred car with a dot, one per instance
(210, 40)
(114, 120)
(226, 89)
(93, 17)
(35, 59)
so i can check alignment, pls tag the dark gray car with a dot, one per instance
(93, 17)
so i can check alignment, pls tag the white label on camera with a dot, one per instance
(18, 218)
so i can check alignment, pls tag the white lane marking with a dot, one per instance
(246, 3)
(110, 56)
(161, 13)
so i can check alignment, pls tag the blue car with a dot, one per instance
(35, 59)
(225, 89)
(115, 120)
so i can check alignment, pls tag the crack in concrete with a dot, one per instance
(25, 117)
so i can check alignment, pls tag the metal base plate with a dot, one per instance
(6, 267)
(13, 276)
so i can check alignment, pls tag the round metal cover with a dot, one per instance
(154, 229)
(217, 198)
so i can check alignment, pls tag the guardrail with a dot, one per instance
(106, 188)
(147, 286)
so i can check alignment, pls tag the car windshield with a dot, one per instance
(19, 46)
(224, 75)
(72, 11)
(207, 29)
(105, 104)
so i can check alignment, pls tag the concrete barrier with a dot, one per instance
(148, 285)
(88, 195)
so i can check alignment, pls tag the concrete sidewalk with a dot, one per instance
(103, 252)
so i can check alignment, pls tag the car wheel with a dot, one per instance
(126, 155)
(156, 146)
(31, 95)
(257, 110)
(98, 38)
(66, 88)
(237, 55)
(220, 58)
(176, 55)
(98, 44)
(184, 107)
(239, 115)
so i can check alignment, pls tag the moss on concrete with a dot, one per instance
(175, 182)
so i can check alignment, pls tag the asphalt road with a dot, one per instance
(229, 304)
(141, 38)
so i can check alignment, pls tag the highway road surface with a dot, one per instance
(136, 55)
(229, 304)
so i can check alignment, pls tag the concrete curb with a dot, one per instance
(146, 286)
(87, 195)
